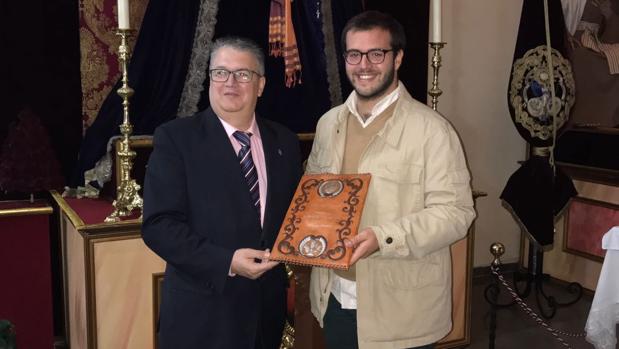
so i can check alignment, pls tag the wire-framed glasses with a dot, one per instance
(241, 75)
(375, 56)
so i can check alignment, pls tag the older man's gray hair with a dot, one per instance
(241, 44)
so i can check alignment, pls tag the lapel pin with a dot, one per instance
(279, 151)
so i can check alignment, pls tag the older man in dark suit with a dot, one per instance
(217, 188)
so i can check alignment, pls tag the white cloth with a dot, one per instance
(384, 103)
(572, 13)
(604, 313)
(344, 290)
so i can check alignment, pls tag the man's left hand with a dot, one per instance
(364, 244)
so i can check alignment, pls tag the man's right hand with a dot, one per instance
(244, 263)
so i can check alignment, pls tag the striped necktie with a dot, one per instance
(248, 169)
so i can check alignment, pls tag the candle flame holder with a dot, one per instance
(435, 91)
(127, 191)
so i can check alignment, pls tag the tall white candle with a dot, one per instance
(435, 20)
(123, 14)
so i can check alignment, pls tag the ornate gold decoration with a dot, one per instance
(530, 92)
(287, 337)
(97, 45)
(95, 73)
(26, 211)
(541, 151)
(434, 92)
(127, 196)
(96, 42)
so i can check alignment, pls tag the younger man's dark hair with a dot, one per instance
(373, 19)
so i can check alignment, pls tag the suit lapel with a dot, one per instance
(272, 155)
(216, 141)
(218, 149)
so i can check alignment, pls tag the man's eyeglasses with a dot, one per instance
(241, 75)
(375, 56)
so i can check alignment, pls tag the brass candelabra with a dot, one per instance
(435, 92)
(127, 195)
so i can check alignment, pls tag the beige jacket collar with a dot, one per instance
(391, 133)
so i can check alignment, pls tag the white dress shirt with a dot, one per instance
(604, 313)
(351, 103)
(257, 154)
(344, 290)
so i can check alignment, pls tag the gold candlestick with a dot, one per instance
(127, 196)
(434, 92)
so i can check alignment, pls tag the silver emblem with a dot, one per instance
(312, 246)
(330, 188)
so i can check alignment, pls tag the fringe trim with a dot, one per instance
(292, 78)
(282, 40)
(333, 69)
(276, 49)
(198, 63)
(509, 208)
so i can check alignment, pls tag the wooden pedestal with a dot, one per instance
(110, 278)
(112, 283)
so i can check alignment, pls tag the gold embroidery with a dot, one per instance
(95, 76)
(530, 92)
(99, 46)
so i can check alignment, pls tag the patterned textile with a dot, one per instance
(610, 51)
(595, 62)
(198, 63)
(282, 40)
(99, 48)
(540, 96)
(333, 74)
(248, 168)
(157, 72)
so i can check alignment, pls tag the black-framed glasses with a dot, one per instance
(241, 75)
(375, 56)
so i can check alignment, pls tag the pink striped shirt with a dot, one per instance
(257, 154)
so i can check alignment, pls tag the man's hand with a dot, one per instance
(364, 244)
(244, 263)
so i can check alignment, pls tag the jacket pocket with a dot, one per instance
(460, 176)
(397, 190)
(460, 182)
(410, 274)
(174, 281)
(399, 173)
(321, 163)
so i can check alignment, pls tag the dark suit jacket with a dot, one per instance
(197, 212)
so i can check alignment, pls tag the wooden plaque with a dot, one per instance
(325, 212)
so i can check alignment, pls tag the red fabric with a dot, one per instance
(99, 47)
(25, 284)
(587, 223)
(11, 205)
(290, 299)
(94, 211)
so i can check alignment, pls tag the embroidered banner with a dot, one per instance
(99, 50)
